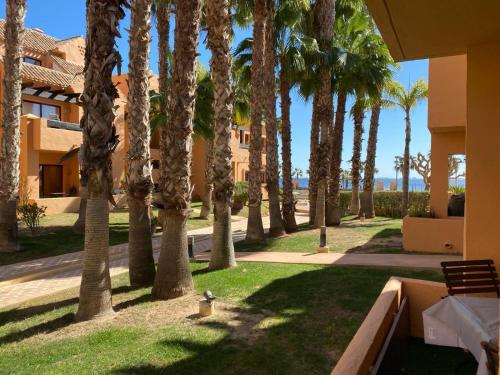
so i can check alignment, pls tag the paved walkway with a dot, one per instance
(24, 281)
(377, 260)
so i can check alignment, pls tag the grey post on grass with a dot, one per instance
(191, 246)
(322, 237)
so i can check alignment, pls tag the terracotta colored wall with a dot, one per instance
(441, 235)
(447, 93)
(483, 157)
(198, 168)
(442, 145)
(53, 139)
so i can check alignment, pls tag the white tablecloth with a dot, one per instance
(463, 322)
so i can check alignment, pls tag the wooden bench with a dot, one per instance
(471, 276)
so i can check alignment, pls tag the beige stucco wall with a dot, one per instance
(483, 157)
(433, 235)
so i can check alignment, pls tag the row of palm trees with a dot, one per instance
(325, 48)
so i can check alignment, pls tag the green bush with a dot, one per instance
(388, 203)
(30, 214)
(240, 193)
(457, 189)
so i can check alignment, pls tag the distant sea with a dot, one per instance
(416, 184)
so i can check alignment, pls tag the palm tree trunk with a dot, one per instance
(359, 116)
(313, 164)
(10, 147)
(324, 15)
(140, 180)
(255, 228)
(367, 207)
(334, 211)
(218, 19)
(406, 167)
(98, 134)
(206, 207)
(286, 151)
(163, 30)
(276, 227)
(79, 225)
(173, 278)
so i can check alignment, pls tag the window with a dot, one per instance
(242, 136)
(155, 164)
(41, 110)
(29, 60)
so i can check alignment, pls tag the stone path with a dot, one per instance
(24, 281)
(377, 260)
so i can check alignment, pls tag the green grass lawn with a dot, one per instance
(56, 235)
(271, 319)
(378, 235)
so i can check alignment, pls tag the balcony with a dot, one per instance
(245, 146)
(54, 135)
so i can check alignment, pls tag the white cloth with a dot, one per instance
(463, 322)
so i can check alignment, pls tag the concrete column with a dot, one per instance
(483, 156)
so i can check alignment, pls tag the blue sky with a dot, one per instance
(66, 18)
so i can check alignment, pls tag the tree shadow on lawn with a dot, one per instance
(294, 325)
(19, 314)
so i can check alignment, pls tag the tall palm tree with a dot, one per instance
(276, 227)
(10, 147)
(398, 167)
(291, 44)
(358, 114)
(255, 228)
(407, 100)
(161, 12)
(173, 277)
(324, 15)
(376, 103)
(218, 19)
(139, 176)
(99, 140)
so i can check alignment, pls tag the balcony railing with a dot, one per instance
(63, 125)
(246, 146)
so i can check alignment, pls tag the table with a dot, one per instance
(462, 321)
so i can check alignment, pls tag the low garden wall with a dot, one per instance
(433, 235)
(366, 344)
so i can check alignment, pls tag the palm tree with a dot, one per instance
(161, 12)
(398, 167)
(276, 227)
(10, 147)
(358, 114)
(407, 100)
(99, 140)
(255, 228)
(204, 128)
(218, 19)
(291, 45)
(324, 14)
(376, 103)
(139, 176)
(353, 73)
(173, 277)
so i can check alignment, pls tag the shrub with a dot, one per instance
(388, 203)
(240, 193)
(31, 214)
(456, 189)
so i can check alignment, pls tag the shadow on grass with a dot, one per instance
(294, 325)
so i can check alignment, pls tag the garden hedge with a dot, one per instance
(388, 203)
